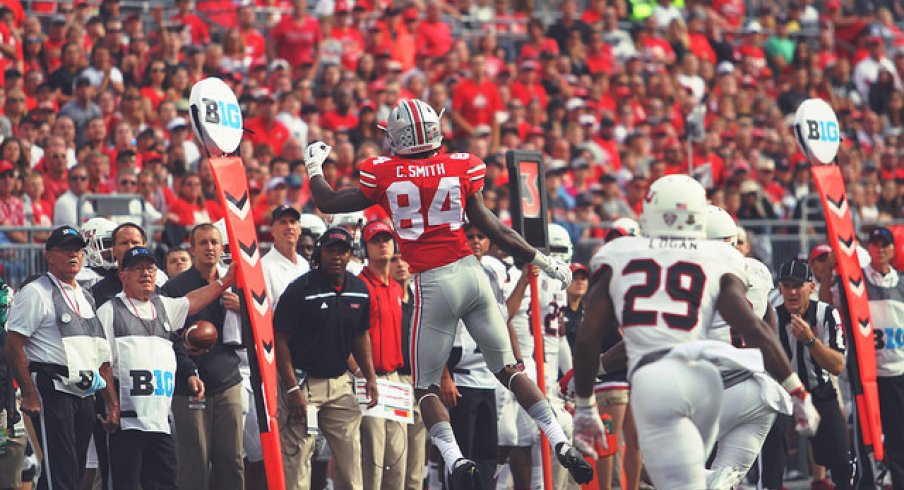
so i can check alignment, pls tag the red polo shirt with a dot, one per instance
(385, 322)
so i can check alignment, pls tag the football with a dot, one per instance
(201, 335)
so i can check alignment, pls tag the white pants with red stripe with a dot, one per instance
(443, 296)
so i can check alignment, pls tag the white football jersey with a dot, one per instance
(759, 285)
(664, 290)
(552, 300)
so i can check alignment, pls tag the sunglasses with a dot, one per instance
(128, 182)
(478, 236)
(78, 178)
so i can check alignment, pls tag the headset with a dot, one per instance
(315, 256)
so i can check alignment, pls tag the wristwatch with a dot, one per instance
(809, 343)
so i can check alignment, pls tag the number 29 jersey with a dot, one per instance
(425, 197)
(664, 290)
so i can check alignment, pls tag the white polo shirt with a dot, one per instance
(279, 272)
(33, 315)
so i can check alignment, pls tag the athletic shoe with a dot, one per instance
(464, 476)
(572, 460)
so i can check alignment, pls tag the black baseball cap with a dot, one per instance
(796, 271)
(136, 254)
(881, 234)
(336, 235)
(63, 237)
(284, 210)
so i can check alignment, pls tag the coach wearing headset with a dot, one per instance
(321, 318)
(383, 442)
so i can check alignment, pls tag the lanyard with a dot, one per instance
(148, 329)
(72, 302)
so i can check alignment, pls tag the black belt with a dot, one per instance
(52, 370)
(734, 377)
(651, 358)
(461, 371)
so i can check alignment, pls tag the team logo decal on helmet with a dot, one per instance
(413, 127)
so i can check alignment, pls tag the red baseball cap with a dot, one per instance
(6, 166)
(374, 228)
(577, 266)
(819, 251)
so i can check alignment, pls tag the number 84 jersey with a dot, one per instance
(664, 290)
(425, 197)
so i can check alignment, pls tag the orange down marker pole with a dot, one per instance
(540, 361)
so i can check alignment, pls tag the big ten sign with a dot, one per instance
(822, 130)
(527, 187)
(222, 112)
(216, 117)
(816, 130)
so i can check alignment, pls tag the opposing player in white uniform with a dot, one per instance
(99, 260)
(526, 470)
(663, 292)
(751, 400)
(427, 195)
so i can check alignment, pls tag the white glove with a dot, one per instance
(314, 156)
(554, 268)
(806, 418)
(589, 431)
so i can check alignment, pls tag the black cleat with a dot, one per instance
(572, 460)
(464, 476)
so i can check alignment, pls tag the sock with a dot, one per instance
(542, 414)
(444, 440)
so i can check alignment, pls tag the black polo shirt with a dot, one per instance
(322, 321)
(106, 289)
(218, 368)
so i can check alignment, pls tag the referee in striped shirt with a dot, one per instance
(812, 336)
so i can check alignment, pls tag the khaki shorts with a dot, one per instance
(11, 463)
(615, 396)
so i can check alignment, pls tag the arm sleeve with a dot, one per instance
(365, 316)
(367, 181)
(105, 315)
(176, 311)
(832, 332)
(27, 307)
(475, 175)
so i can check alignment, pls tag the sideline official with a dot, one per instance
(209, 438)
(321, 318)
(139, 325)
(383, 442)
(60, 358)
(885, 289)
(811, 333)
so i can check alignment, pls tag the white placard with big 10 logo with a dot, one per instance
(216, 117)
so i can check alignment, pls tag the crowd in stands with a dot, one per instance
(604, 90)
